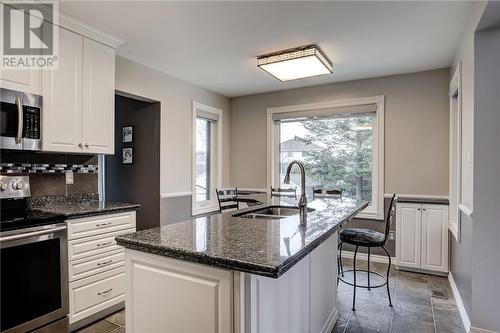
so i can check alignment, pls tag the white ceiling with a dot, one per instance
(215, 44)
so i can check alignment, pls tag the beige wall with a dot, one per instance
(176, 98)
(416, 129)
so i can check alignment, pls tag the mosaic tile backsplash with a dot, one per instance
(46, 168)
(47, 172)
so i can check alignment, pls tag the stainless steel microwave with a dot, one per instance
(20, 121)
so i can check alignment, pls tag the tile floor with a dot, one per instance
(415, 308)
(114, 323)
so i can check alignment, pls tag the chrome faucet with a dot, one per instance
(303, 199)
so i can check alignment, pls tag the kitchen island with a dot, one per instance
(244, 273)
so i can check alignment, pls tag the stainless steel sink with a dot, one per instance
(270, 212)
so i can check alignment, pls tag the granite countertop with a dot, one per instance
(77, 206)
(267, 247)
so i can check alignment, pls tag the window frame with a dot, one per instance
(210, 205)
(455, 181)
(374, 211)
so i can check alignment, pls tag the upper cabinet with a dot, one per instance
(22, 80)
(98, 98)
(78, 97)
(62, 97)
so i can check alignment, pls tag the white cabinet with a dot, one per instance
(78, 97)
(422, 236)
(25, 80)
(22, 80)
(62, 97)
(98, 98)
(434, 238)
(96, 264)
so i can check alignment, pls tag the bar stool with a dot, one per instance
(368, 238)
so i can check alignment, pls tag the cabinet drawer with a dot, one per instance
(84, 247)
(98, 292)
(96, 264)
(95, 225)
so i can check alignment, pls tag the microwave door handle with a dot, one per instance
(19, 120)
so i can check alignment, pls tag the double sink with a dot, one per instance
(270, 212)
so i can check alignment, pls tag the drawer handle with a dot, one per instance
(102, 224)
(104, 244)
(104, 263)
(105, 292)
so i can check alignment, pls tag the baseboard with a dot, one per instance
(364, 256)
(460, 305)
(330, 323)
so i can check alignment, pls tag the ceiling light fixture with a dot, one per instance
(297, 63)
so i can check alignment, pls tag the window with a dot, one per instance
(340, 144)
(206, 157)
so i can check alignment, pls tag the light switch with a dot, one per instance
(69, 177)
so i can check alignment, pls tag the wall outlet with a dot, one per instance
(392, 236)
(69, 177)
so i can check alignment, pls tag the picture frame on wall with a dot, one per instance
(128, 155)
(127, 134)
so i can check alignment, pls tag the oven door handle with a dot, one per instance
(31, 234)
(19, 120)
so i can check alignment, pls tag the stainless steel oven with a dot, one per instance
(20, 120)
(33, 263)
(34, 278)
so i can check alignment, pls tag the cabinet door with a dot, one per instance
(435, 237)
(25, 80)
(408, 239)
(62, 97)
(98, 98)
(22, 80)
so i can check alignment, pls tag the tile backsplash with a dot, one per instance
(47, 171)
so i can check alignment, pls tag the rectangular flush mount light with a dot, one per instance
(296, 63)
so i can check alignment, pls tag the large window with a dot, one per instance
(341, 147)
(206, 157)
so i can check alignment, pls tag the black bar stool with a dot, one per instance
(368, 238)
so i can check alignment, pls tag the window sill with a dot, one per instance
(204, 210)
(370, 215)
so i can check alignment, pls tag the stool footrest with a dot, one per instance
(363, 286)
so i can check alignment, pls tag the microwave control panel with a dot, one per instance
(31, 122)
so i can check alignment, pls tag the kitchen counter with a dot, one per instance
(78, 206)
(266, 247)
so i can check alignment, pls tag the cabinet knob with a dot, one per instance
(86, 145)
(80, 145)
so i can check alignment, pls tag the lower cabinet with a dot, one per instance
(96, 265)
(422, 237)
(96, 293)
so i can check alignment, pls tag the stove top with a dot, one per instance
(16, 215)
(14, 210)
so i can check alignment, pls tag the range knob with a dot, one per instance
(4, 186)
(18, 185)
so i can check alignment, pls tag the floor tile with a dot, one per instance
(447, 318)
(368, 318)
(101, 326)
(444, 303)
(413, 311)
(117, 318)
(411, 326)
(119, 330)
(441, 329)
